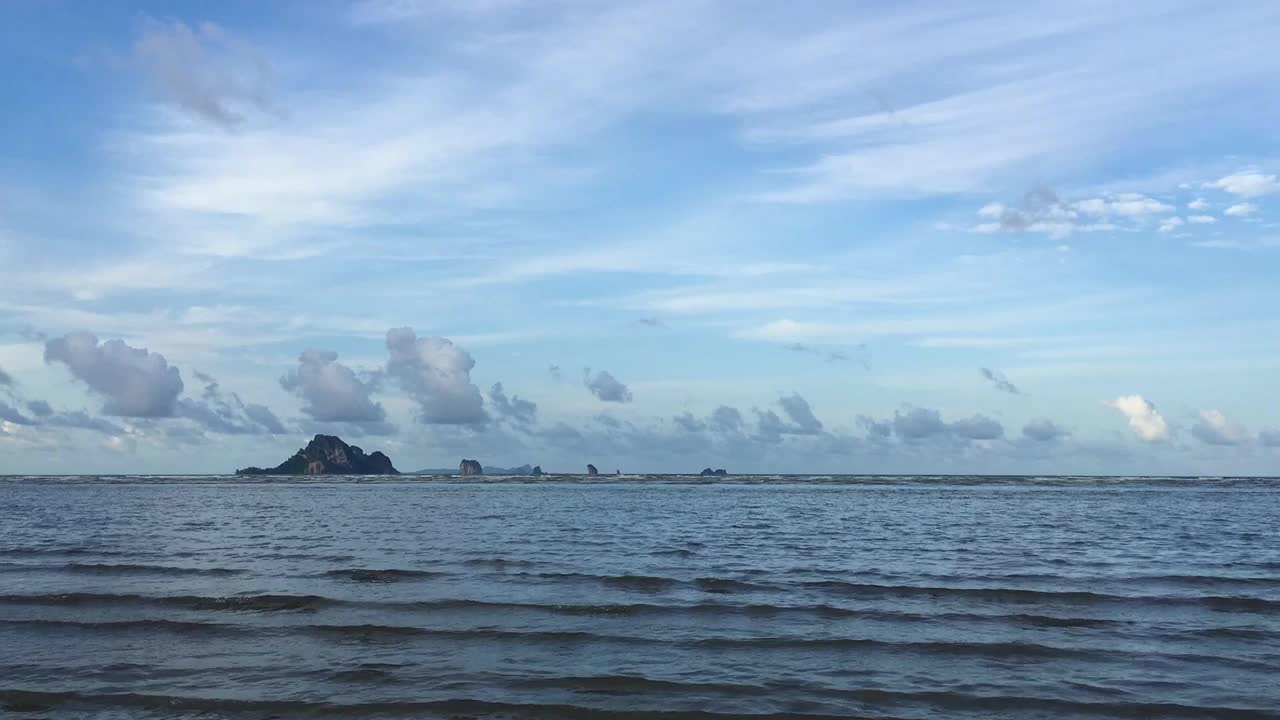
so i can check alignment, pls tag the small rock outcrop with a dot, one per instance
(591, 469)
(470, 467)
(721, 472)
(536, 471)
(329, 455)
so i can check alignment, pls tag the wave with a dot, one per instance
(643, 583)
(147, 626)
(29, 552)
(722, 586)
(1027, 595)
(389, 575)
(937, 701)
(400, 632)
(311, 603)
(252, 603)
(499, 562)
(139, 569)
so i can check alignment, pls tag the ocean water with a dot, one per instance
(639, 597)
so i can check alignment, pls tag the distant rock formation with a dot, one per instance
(470, 467)
(328, 455)
(718, 471)
(591, 469)
(525, 469)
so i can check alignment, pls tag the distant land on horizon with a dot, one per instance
(330, 455)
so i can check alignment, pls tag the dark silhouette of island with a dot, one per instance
(591, 469)
(718, 472)
(470, 467)
(328, 455)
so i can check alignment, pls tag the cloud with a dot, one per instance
(554, 371)
(1144, 420)
(607, 420)
(688, 423)
(881, 429)
(800, 420)
(725, 419)
(828, 355)
(1198, 204)
(8, 413)
(1124, 205)
(1202, 219)
(915, 424)
(332, 392)
(437, 375)
(263, 416)
(5, 378)
(1000, 382)
(1044, 430)
(1257, 244)
(81, 420)
(1171, 224)
(1042, 211)
(1241, 209)
(606, 387)
(798, 410)
(136, 383)
(918, 424)
(1269, 437)
(978, 427)
(1250, 184)
(650, 322)
(1214, 428)
(517, 409)
(226, 413)
(204, 70)
(40, 408)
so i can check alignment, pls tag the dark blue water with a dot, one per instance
(882, 598)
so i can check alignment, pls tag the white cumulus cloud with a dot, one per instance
(1241, 209)
(1248, 184)
(1145, 421)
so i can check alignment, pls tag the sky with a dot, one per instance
(814, 237)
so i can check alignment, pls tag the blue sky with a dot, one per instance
(819, 237)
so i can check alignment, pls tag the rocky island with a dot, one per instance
(328, 455)
(718, 472)
(470, 467)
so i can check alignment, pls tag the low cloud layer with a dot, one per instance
(226, 413)
(514, 408)
(135, 382)
(1145, 421)
(332, 392)
(606, 387)
(1215, 429)
(437, 375)
(918, 424)
(1044, 430)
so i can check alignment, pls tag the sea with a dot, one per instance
(639, 597)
